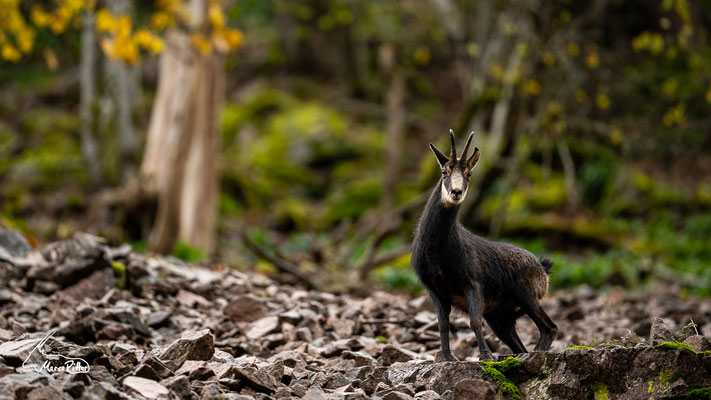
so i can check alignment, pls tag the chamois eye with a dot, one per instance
(469, 174)
(444, 171)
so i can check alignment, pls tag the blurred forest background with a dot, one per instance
(290, 136)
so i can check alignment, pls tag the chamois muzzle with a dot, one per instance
(456, 194)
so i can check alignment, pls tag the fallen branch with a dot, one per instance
(281, 264)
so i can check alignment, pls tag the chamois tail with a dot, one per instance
(547, 264)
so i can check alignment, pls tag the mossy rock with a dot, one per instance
(675, 346)
(600, 391)
(496, 370)
(701, 393)
(579, 348)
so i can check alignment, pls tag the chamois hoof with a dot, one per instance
(445, 358)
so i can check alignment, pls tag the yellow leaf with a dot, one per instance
(234, 38)
(532, 87)
(641, 42)
(573, 49)
(105, 21)
(161, 20)
(422, 56)
(656, 45)
(56, 24)
(148, 41)
(616, 136)
(123, 26)
(548, 58)
(675, 116)
(201, 43)
(708, 94)
(215, 15)
(39, 17)
(25, 39)
(125, 49)
(592, 60)
(142, 36)
(10, 53)
(603, 102)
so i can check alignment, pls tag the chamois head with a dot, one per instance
(455, 172)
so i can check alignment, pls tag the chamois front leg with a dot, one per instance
(444, 307)
(475, 306)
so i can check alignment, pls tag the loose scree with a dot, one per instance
(497, 281)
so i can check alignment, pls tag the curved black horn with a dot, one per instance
(453, 156)
(466, 147)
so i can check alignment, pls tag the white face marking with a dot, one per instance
(457, 181)
(448, 200)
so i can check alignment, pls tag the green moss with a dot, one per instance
(650, 390)
(675, 346)
(119, 273)
(504, 366)
(600, 391)
(700, 393)
(666, 378)
(381, 339)
(579, 347)
(496, 370)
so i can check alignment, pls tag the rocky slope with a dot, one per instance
(84, 320)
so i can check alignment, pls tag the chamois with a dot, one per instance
(498, 281)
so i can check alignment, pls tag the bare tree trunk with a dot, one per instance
(201, 186)
(394, 121)
(179, 164)
(123, 84)
(89, 147)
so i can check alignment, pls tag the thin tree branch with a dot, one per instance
(280, 263)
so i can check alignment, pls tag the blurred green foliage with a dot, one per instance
(609, 106)
(189, 253)
(296, 153)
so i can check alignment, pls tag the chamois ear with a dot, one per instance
(441, 158)
(471, 162)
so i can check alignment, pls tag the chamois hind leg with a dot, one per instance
(504, 326)
(444, 307)
(475, 306)
(546, 326)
